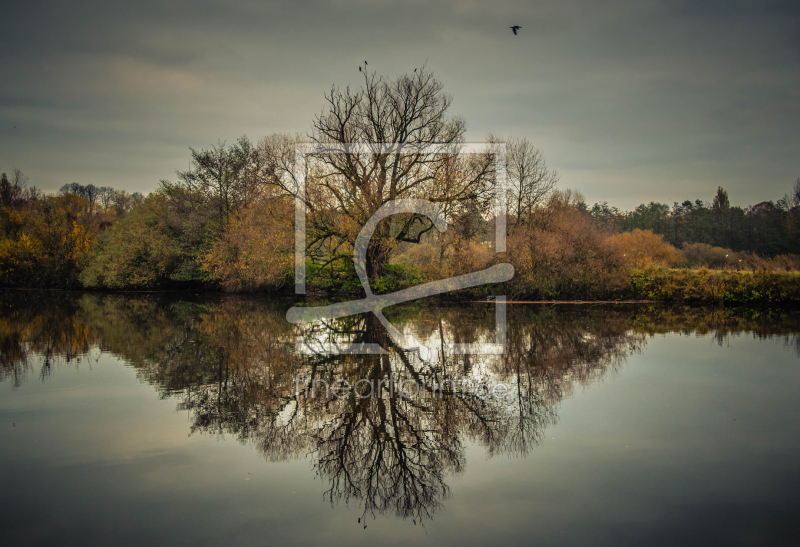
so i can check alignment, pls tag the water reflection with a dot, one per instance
(232, 364)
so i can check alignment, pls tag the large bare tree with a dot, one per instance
(388, 140)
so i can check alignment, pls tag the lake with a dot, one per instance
(210, 420)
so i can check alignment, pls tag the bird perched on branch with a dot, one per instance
(515, 28)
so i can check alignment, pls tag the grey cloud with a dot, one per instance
(631, 101)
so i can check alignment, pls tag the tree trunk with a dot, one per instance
(377, 257)
(378, 251)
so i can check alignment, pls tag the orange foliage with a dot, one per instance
(643, 248)
(256, 249)
(563, 253)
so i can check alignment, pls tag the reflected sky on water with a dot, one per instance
(149, 419)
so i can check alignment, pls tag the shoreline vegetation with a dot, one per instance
(646, 286)
(227, 223)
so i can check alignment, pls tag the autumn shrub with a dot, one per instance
(702, 255)
(750, 261)
(256, 250)
(563, 254)
(466, 256)
(715, 286)
(643, 248)
(451, 255)
(426, 258)
(396, 277)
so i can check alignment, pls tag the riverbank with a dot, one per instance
(669, 285)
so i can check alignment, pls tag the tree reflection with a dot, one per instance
(234, 365)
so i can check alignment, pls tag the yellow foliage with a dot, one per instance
(45, 240)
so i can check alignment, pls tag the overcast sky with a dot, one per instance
(631, 101)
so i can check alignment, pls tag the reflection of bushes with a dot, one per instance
(232, 365)
(41, 324)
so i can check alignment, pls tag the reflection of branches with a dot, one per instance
(375, 453)
(33, 330)
(233, 366)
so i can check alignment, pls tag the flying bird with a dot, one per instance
(515, 28)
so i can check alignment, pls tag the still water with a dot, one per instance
(208, 421)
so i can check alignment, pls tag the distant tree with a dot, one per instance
(122, 201)
(766, 229)
(16, 203)
(721, 219)
(653, 216)
(530, 180)
(72, 188)
(609, 218)
(91, 192)
(11, 190)
(223, 178)
(794, 200)
(105, 196)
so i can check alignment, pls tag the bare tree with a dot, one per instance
(106, 196)
(20, 180)
(530, 181)
(278, 163)
(412, 152)
(122, 201)
(226, 178)
(12, 192)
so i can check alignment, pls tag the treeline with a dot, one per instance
(104, 197)
(44, 239)
(767, 228)
(227, 223)
(218, 216)
(231, 228)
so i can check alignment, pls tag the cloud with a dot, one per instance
(630, 100)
